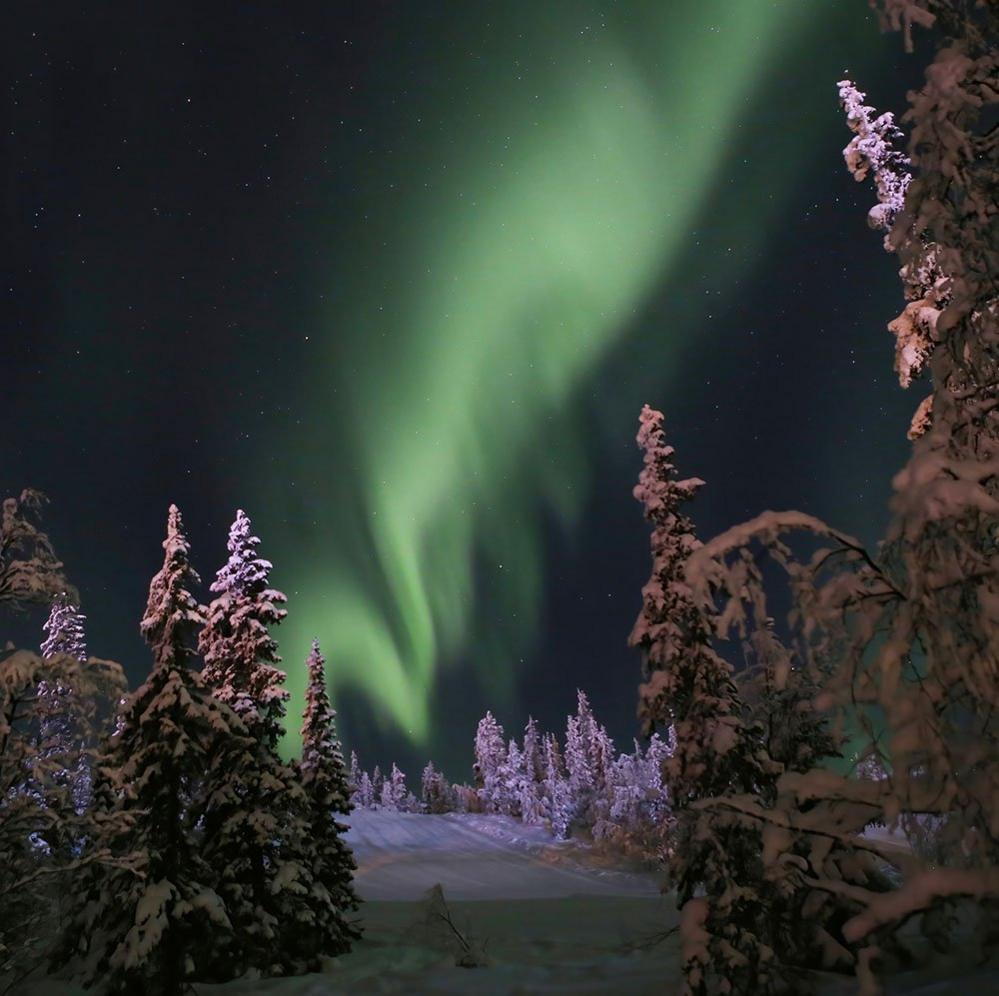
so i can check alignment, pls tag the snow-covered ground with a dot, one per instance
(401, 855)
(552, 921)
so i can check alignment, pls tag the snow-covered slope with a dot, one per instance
(552, 923)
(401, 855)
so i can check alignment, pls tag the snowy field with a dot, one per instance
(552, 921)
(401, 855)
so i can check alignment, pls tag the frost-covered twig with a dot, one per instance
(471, 953)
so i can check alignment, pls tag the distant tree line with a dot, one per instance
(580, 784)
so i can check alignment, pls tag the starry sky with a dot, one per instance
(397, 278)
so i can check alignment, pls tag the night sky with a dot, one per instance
(397, 278)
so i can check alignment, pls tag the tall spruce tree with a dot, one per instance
(716, 865)
(150, 922)
(909, 631)
(322, 927)
(261, 852)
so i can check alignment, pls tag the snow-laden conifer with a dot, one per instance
(354, 775)
(531, 794)
(557, 795)
(240, 655)
(262, 853)
(365, 792)
(490, 754)
(395, 795)
(578, 769)
(151, 923)
(65, 634)
(511, 779)
(534, 764)
(320, 925)
(64, 629)
(31, 573)
(48, 707)
(716, 863)
(436, 796)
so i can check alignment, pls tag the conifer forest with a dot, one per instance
(494, 693)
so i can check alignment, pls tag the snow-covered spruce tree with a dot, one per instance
(511, 780)
(64, 631)
(261, 853)
(638, 819)
(534, 763)
(394, 795)
(436, 795)
(365, 793)
(912, 630)
(577, 766)
(30, 572)
(39, 824)
(589, 756)
(530, 801)
(490, 754)
(377, 784)
(716, 866)
(354, 776)
(320, 925)
(936, 677)
(240, 655)
(779, 692)
(557, 797)
(64, 634)
(149, 924)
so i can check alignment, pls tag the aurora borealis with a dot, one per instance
(397, 280)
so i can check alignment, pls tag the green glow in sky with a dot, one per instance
(535, 213)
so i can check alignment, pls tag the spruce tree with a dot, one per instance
(577, 765)
(435, 791)
(30, 571)
(354, 777)
(240, 655)
(152, 920)
(322, 927)
(395, 795)
(779, 692)
(490, 754)
(365, 792)
(533, 761)
(511, 779)
(47, 707)
(261, 853)
(557, 794)
(65, 635)
(716, 866)
(64, 630)
(531, 799)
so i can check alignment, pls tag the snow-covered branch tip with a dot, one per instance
(873, 150)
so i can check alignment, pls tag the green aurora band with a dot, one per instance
(481, 301)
